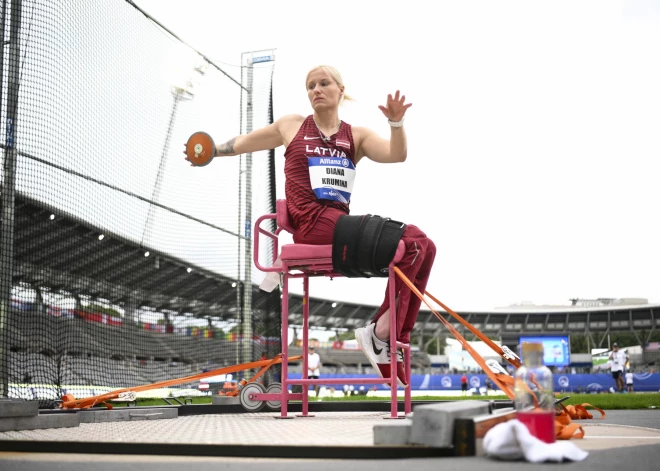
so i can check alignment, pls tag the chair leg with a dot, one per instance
(393, 356)
(285, 347)
(305, 347)
(394, 410)
(408, 391)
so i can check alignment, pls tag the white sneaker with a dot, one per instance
(376, 351)
(378, 354)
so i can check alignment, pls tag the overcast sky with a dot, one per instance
(533, 139)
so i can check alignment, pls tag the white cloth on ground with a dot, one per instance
(512, 440)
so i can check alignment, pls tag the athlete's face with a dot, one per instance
(322, 91)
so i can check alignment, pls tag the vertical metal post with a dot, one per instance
(247, 259)
(305, 347)
(588, 344)
(239, 223)
(39, 300)
(8, 196)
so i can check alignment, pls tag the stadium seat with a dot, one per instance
(304, 261)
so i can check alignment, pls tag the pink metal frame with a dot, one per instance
(305, 268)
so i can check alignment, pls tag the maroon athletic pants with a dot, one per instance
(416, 265)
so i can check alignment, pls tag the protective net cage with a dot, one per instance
(120, 264)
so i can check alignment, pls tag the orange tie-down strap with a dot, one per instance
(564, 427)
(498, 379)
(69, 402)
(496, 348)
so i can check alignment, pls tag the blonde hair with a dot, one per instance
(334, 75)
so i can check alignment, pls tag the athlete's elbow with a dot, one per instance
(403, 156)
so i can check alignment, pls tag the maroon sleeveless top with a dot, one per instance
(302, 203)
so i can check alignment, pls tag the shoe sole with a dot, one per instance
(398, 380)
(403, 354)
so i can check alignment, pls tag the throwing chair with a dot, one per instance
(304, 261)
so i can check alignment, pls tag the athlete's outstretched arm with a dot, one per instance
(395, 149)
(382, 150)
(266, 138)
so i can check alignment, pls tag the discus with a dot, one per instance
(200, 149)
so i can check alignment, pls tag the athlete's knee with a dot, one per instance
(413, 232)
(416, 249)
(430, 249)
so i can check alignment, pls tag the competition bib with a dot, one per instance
(332, 178)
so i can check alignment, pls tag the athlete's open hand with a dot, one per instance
(396, 107)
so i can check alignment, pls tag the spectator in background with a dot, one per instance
(618, 359)
(464, 384)
(314, 367)
(629, 381)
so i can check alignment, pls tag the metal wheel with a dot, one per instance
(274, 388)
(252, 405)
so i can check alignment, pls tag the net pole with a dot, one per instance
(264, 56)
(247, 261)
(239, 240)
(8, 198)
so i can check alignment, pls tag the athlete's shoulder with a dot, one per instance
(289, 125)
(291, 119)
(361, 131)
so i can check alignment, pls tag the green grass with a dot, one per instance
(603, 401)
(415, 398)
(161, 402)
(616, 401)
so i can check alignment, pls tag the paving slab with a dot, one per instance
(125, 415)
(18, 408)
(226, 400)
(326, 429)
(393, 433)
(433, 425)
(51, 422)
